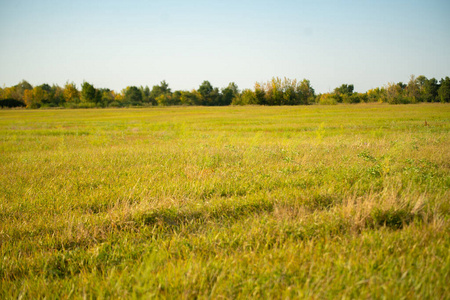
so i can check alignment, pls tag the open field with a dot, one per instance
(347, 201)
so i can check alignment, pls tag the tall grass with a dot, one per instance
(232, 202)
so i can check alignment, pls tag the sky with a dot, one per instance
(115, 44)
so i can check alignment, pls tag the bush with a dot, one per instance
(9, 102)
(327, 99)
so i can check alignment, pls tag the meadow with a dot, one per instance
(345, 201)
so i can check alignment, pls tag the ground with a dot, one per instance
(346, 201)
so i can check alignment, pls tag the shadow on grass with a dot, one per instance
(390, 218)
(170, 217)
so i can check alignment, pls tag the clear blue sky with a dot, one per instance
(119, 43)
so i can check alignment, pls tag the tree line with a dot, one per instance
(276, 91)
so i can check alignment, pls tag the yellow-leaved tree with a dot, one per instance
(28, 98)
(71, 94)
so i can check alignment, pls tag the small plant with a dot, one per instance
(367, 157)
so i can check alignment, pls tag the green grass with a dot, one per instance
(349, 201)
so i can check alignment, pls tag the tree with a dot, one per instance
(71, 94)
(205, 88)
(12, 93)
(209, 95)
(327, 99)
(190, 98)
(132, 96)
(176, 98)
(343, 93)
(107, 97)
(6, 93)
(158, 90)
(421, 81)
(376, 95)
(20, 89)
(145, 94)
(430, 90)
(164, 100)
(402, 85)
(345, 89)
(229, 94)
(284, 92)
(40, 95)
(273, 94)
(444, 90)
(111, 98)
(56, 95)
(46, 87)
(394, 93)
(306, 92)
(247, 97)
(35, 98)
(24, 85)
(260, 94)
(413, 90)
(28, 99)
(88, 93)
(162, 88)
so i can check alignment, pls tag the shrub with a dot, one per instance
(9, 102)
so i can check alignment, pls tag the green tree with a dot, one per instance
(343, 93)
(145, 94)
(158, 90)
(444, 90)
(56, 95)
(376, 95)
(164, 99)
(205, 89)
(106, 97)
(132, 96)
(273, 93)
(40, 95)
(284, 92)
(229, 94)
(210, 96)
(430, 90)
(247, 97)
(260, 94)
(345, 89)
(176, 98)
(88, 93)
(190, 98)
(306, 92)
(421, 81)
(327, 99)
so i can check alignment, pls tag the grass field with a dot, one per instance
(347, 201)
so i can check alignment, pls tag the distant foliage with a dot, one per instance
(277, 91)
(10, 103)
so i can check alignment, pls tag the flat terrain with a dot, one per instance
(347, 201)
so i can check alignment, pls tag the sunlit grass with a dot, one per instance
(349, 201)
